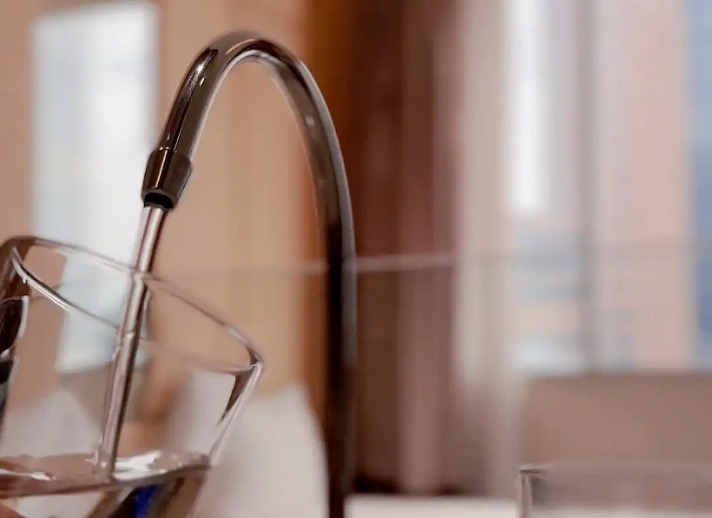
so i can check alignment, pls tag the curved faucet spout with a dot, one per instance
(169, 169)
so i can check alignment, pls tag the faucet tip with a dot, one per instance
(167, 174)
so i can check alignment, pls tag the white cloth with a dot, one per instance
(272, 464)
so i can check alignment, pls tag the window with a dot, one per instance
(543, 255)
(700, 38)
(607, 183)
(95, 96)
(528, 117)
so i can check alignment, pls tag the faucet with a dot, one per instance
(170, 166)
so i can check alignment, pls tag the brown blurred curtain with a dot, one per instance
(382, 87)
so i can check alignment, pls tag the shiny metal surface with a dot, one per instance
(169, 169)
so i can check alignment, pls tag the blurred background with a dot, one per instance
(532, 188)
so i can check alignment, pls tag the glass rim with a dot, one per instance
(615, 468)
(155, 284)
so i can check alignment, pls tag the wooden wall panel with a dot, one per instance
(375, 171)
(329, 55)
(388, 129)
(16, 109)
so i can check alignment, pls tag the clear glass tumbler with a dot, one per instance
(611, 489)
(60, 311)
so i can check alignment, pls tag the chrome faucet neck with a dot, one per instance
(170, 166)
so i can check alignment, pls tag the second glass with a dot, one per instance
(621, 490)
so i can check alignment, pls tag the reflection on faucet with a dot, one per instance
(169, 169)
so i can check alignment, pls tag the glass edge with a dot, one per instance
(12, 245)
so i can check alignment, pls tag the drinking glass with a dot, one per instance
(61, 308)
(615, 489)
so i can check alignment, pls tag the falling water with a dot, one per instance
(128, 338)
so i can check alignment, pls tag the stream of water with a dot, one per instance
(128, 337)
